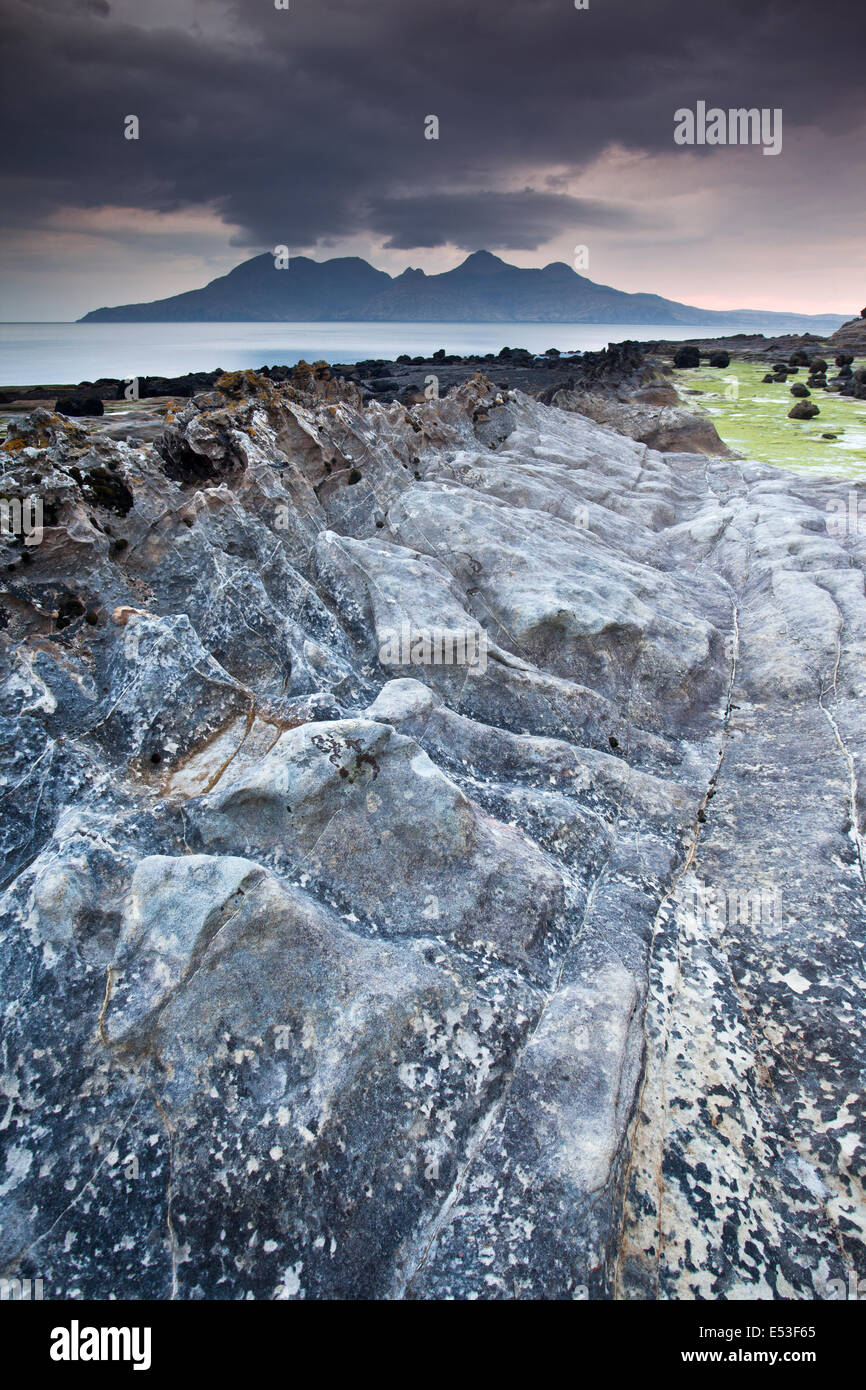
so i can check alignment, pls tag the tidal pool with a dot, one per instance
(751, 417)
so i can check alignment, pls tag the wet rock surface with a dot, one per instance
(330, 974)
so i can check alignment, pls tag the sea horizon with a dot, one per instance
(41, 353)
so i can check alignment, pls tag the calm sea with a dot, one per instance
(34, 354)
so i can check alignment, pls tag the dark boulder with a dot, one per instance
(720, 359)
(78, 406)
(803, 410)
(844, 359)
(798, 389)
(687, 357)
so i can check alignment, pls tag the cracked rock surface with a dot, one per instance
(324, 977)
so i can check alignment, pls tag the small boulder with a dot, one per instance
(803, 410)
(77, 406)
(720, 359)
(798, 389)
(687, 357)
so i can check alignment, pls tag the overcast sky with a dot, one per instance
(305, 127)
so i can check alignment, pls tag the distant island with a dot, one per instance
(483, 289)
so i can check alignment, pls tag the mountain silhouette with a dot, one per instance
(483, 289)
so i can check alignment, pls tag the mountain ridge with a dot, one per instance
(482, 289)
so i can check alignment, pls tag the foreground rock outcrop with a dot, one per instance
(536, 975)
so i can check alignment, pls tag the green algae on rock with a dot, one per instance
(751, 416)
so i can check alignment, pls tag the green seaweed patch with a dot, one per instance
(753, 419)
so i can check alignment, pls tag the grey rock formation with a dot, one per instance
(330, 973)
(622, 388)
(851, 337)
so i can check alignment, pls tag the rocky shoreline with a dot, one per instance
(619, 385)
(407, 379)
(629, 373)
(325, 977)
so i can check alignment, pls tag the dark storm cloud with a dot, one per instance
(307, 125)
(473, 221)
